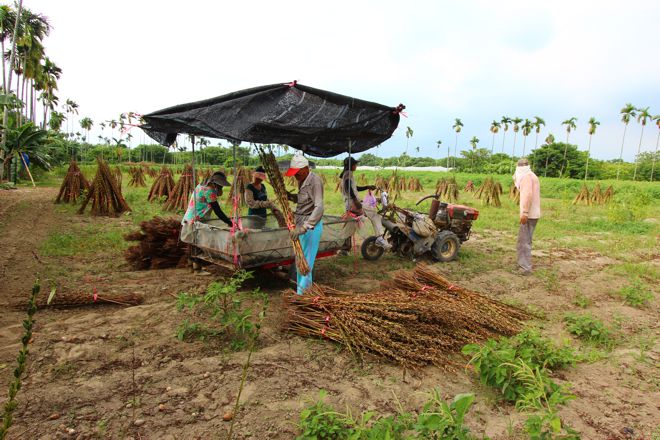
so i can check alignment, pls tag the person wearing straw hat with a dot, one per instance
(203, 200)
(530, 211)
(256, 197)
(308, 214)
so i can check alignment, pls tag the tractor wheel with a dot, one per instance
(370, 249)
(446, 246)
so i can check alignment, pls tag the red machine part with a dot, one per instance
(462, 212)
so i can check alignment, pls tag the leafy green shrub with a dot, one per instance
(548, 426)
(589, 328)
(495, 361)
(224, 315)
(637, 294)
(440, 420)
(581, 301)
(437, 420)
(322, 422)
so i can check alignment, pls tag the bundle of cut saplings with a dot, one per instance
(418, 318)
(104, 193)
(73, 185)
(158, 245)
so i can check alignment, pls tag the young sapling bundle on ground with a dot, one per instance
(73, 185)
(178, 199)
(104, 193)
(162, 186)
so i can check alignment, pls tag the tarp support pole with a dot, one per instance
(194, 176)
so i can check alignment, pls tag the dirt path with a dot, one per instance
(112, 372)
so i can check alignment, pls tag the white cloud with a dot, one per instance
(477, 60)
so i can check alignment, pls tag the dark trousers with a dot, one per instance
(524, 246)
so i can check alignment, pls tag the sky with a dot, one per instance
(474, 60)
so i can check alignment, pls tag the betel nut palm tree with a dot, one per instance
(570, 125)
(526, 130)
(494, 128)
(516, 127)
(593, 123)
(457, 127)
(627, 112)
(505, 121)
(550, 139)
(656, 118)
(473, 142)
(642, 117)
(538, 123)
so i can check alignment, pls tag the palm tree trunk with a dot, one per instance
(563, 165)
(513, 151)
(586, 168)
(536, 142)
(492, 147)
(4, 74)
(12, 57)
(654, 155)
(524, 145)
(503, 137)
(618, 171)
(455, 148)
(448, 154)
(639, 148)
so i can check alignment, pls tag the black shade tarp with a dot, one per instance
(315, 121)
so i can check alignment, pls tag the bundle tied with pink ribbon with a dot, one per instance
(418, 318)
(277, 182)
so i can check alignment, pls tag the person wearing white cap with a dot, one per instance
(308, 214)
(530, 211)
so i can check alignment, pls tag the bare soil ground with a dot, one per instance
(115, 372)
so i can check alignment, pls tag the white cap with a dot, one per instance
(297, 162)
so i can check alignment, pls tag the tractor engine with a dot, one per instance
(456, 218)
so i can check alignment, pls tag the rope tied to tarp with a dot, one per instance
(398, 110)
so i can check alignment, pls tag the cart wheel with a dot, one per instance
(445, 247)
(370, 249)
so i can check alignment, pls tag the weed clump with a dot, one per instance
(637, 294)
(589, 329)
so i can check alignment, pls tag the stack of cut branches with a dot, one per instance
(242, 178)
(73, 185)
(162, 186)
(151, 172)
(180, 194)
(117, 175)
(489, 192)
(77, 299)
(419, 318)
(415, 185)
(514, 194)
(362, 179)
(583, 196)
(324, 179)
(158, 245)
(275, 177)
(609, 193)
(104, 193)
(447, 189)
(597, 197)
(469, 186)
(137, 177)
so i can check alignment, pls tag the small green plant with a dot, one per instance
(590, 329)
(320, 421)
(495, 361)
(437, 420)
(637, 294)
(221, 307)
(15, 385)
(548, 426)
(581, 301)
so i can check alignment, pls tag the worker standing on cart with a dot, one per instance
(352, 204)
(203, 200)
(256, 197)
(308, 214)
